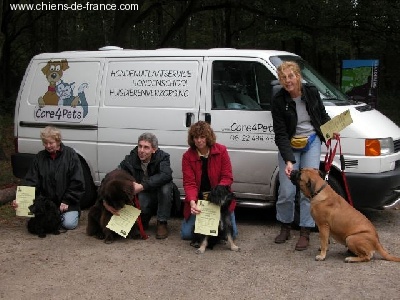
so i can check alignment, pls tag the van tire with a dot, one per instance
(90, 195)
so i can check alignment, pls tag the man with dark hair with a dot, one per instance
(150, 166)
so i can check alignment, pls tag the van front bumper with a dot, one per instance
(374, 190)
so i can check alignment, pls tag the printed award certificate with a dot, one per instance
(336, 124)
(25, 196)
(207, 221)
(123, 223)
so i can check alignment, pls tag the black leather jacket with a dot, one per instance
(159, 169)
(284, 117)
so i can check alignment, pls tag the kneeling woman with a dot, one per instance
(56, 173)
(205, 165)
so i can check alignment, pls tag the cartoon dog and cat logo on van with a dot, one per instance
(59, 103)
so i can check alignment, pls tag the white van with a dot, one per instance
(103, 100)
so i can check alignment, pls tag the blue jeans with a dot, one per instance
(187, 227)
(70, 219)
(159, 201)
(285, 205)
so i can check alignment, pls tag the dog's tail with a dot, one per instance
(386, 254)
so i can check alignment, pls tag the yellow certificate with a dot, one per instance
(123, 223)
(336, 124)
(207, 221)
(25, 196)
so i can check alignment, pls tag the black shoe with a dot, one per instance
(145, 221)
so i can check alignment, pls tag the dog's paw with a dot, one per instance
(200, 251)
(100, 236)
(320, 257)
(108, 241)
(348, 259)
(42, 235)
(235, 248)
(352, 259)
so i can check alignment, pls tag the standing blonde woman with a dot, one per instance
(297, 110)
(56, 173)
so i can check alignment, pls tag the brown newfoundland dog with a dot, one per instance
(116, 190)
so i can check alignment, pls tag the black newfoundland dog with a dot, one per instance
(221, 196)
(116, 190)
(47, 217)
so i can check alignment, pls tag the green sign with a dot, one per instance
(360, 80)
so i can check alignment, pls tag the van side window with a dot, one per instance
(241, 85)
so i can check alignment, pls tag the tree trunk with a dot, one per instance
(7, 194)
(2, 154)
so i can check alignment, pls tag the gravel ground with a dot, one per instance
(75, 266)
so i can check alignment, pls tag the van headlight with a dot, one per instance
(376, 147)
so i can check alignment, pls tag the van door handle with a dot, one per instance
(189, 116)
(207, 118)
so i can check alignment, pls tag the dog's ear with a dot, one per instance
(117, 192)
(221, 195)
(64, 65)
(128, 189)
(32, 208)
(311, 184)
(46, 68)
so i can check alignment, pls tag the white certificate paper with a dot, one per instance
(24, 197)
(208, 220)
(123, 223)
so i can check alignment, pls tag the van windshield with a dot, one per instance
(330, 95)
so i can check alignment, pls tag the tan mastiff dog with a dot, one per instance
(335, 217)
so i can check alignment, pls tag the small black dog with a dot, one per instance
(221, 196)
(116, 190)
(47, 217)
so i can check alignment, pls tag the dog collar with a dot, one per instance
(319, 190)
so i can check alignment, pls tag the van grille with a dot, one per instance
(351, 164)
(396, 146)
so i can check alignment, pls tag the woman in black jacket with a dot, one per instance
(297, 110)
(56, 173)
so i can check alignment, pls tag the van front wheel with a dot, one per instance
(90, 189)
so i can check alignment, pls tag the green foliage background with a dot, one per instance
(324, 32)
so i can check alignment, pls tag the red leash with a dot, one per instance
(139, 220)
(330, 155)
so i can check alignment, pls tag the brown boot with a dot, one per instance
(304, 239)
(284, 234)
(162, 230)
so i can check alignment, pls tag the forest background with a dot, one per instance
(324, 32)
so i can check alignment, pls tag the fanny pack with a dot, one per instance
(302, 142)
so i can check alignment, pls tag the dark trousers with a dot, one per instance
(157, 202)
